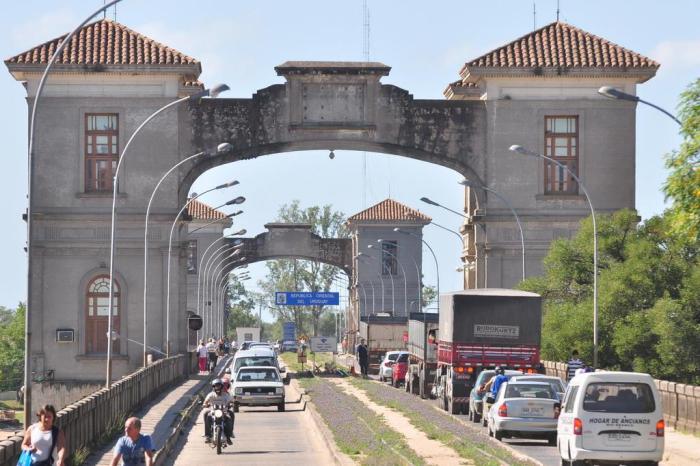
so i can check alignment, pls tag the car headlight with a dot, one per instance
(218, 413)
(279, 390)
(239, 390)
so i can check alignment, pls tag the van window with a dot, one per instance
(253, 361)
(613, 397)
(569, 399)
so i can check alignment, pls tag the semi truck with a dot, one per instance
(382, 334)
(422, 353)
(481, 329)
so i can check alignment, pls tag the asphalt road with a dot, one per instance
(263, 437)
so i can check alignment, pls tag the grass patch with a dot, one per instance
(481, 453)
(11, 404)
(358, 431)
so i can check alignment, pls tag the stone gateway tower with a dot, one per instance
(538, 91)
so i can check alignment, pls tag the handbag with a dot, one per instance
(25, 459)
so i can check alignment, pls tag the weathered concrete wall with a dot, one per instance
(61, 394)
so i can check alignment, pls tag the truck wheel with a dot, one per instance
(453, 407)
(498, 435)
(444, 403)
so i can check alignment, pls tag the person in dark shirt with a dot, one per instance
(363, 357)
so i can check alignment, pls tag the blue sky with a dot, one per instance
(425, 43)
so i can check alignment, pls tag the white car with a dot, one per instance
(524, 410)
(258, 386)
(385, 367)
(611, 418)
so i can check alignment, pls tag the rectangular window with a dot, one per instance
(561, 144)
(101, 150)
(389, 264)
(192, 257)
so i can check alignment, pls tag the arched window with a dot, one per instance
(97, 315)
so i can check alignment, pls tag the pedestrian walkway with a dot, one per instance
(157, 417)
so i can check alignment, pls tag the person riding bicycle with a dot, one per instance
(218, 397)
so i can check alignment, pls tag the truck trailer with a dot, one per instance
(382, 334)
(422, 352)
(481, 329)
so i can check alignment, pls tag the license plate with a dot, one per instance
(532, 411)
(620, 437)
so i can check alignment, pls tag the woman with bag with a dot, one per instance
(41, 439)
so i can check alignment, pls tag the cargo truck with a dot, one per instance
(382, 334)
(481, 329)
(422, 353)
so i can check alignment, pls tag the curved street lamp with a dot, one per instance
(615, 94)
(239, 212)
(30, 191)
(521, 150)
(170, 249)
(201, 259)
(362, 255)
(419, 275)
(437, 267)
(466, 182)
(210, 269)
(403, 271)
(221, 148)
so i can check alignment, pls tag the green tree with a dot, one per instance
(304, 275)
(428, 296)
(242, 304)
(683, 183)
(11, 347)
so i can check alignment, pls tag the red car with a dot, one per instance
(399, 369)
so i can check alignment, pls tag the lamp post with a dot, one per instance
(468, 183)
(237, 200)
(30, 191)
(437, 267)
(403, 271)
(419, 276)
(381, 278)
(615, 94)
(201, 259)
(223, 147)
(217, 273)
(521, 150)
(362, 255)
(209, 270)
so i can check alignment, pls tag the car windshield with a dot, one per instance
(257, 375)
(392, 356)
(253, 361)
(402, 358)
(611, 397)
(516, 390)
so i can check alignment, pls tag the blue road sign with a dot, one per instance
(289, 331)
(304, 298)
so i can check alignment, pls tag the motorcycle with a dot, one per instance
(218, 416)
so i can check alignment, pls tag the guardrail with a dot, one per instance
(681, 401)
(89, 419)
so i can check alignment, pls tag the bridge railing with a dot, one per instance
(681, 401)
(103, 413)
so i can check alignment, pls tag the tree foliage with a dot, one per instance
(242, 304)
(305, 275)
(648, 298)
(11, 347)
(683, 183)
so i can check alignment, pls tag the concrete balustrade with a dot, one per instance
(104, 411)
(681, 401)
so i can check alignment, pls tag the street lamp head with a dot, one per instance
(240, 232)
(238, 212)
(429, 201)
(518, 149)
(238, 200)
(228, 185)
(466, 182)
(218, 89)
(370, 246)
(612, 93)
(223, 147)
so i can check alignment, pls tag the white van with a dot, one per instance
(257, 356)
(612, 418)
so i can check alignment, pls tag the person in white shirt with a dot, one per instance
(202, 355)
(211, 350)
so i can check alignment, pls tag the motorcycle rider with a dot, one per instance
(218, 397)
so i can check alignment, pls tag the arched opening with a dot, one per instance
(97, 314)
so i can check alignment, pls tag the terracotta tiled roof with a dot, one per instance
(389, 209)
(105, 42)
(563, 47)
(201, 211)
(463, 90)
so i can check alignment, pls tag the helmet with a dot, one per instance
(218, 382)
(227, 371)
(500, 370)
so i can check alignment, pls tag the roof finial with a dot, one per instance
(534, 15)
(557, 11)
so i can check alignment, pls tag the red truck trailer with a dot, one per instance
(422, 353)
(481, 329)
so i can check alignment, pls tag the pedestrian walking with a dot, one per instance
(202, 355)
(573, 365)
(363, 357)
(43, 441)
(133, 448)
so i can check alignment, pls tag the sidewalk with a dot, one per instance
(157, 417)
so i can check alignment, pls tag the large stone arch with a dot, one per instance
(336, 105)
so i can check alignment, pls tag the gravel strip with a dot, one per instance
(472, 443)
(358, 431)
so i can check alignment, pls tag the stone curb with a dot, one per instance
(163, 453)
(340, 458)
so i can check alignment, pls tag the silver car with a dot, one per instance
(524, 410)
